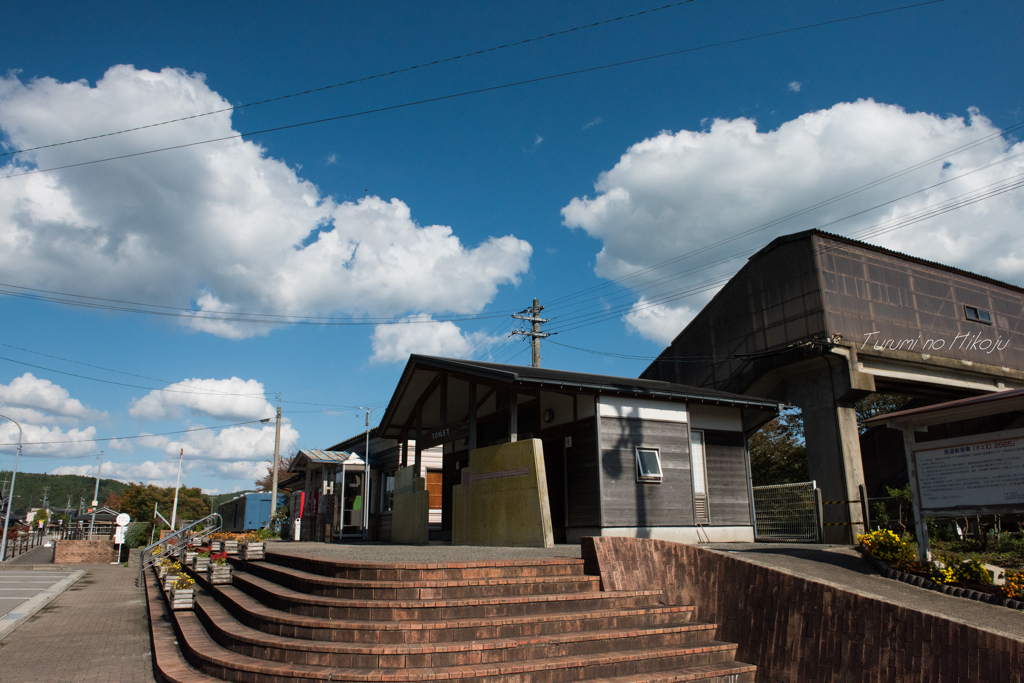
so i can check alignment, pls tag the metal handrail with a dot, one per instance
(182, 539)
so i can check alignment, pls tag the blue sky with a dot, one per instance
(469, 206)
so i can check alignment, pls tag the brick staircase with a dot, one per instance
(295, 619)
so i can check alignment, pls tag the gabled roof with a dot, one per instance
(304, 458)
(402, 403)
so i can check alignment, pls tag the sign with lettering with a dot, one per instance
(444, 434)
(971, 474)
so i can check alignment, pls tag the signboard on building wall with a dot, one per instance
(970, 475)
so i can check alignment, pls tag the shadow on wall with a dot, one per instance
(618, 465)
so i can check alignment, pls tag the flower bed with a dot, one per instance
(946, 573)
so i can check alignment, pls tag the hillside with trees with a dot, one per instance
(59, 488)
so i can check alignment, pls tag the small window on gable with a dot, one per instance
(978, 315)
(648, 464)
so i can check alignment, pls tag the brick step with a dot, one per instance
(209, 657)
(168, 660)
(723, 672)
(357, 589)
(239, 638)
(287, 600)
(404, 571)
(255, 614)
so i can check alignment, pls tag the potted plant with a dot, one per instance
(182, 593)
(174, 572)
(251, 547)
(231, 545)
(218, 571)
(201, 561)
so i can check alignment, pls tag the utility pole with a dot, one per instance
(177, 485)
(277, 460)
(95, 497)
(366, 477)
(534, 332)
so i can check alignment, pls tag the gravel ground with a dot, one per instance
(386, 552)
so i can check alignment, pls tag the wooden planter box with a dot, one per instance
(200, 563)
(182, 598)
(168, 580)
(231, 547)
(218, 573)
(188, 558)
(216, 546)
(250, 551)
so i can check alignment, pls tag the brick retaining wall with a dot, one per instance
(84, 552)
(797, 629)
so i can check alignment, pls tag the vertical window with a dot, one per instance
(648, 464)
(698, 467)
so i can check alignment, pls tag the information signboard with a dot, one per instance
(981, 474)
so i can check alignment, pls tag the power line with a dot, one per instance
(355, 80)
(897, 223)
(477, 91)
(172, 391)
(85, 301)
(706, 266)
(845, 195)
(138, 436)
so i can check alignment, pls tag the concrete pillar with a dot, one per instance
(826, 397)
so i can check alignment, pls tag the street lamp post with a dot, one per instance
(10, 495)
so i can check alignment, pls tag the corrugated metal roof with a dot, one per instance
(331, 456)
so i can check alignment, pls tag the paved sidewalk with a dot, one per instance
(845, 567)
(95, 632)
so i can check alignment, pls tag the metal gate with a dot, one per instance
(785, 512)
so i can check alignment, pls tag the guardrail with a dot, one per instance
(199, 529)
(22, 544)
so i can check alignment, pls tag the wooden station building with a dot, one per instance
(623, 456)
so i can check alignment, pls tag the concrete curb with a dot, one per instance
(12, 620)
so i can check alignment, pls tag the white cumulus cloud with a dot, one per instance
(39, 401)
(229, 444)
(678, 193)
(221, 399)
(795, 86)
(420, 334)
(221, 226)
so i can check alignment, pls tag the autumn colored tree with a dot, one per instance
(266, 482)
(113, 502)
(878, 404)
(140, 500)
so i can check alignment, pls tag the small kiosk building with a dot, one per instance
(621, 456)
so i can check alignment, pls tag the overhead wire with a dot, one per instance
(137, 436)
(85, 301)
(167, 390)
(897, 223)
(476, 91)
(353, 81)
(805, 210)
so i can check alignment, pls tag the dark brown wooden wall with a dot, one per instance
(728, 491)
(582, 479)
(628, 502)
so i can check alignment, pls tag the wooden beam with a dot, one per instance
(419, 440)
(472, 416)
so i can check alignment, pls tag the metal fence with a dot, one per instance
(785, 512)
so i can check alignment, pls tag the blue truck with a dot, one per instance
(249, 511)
